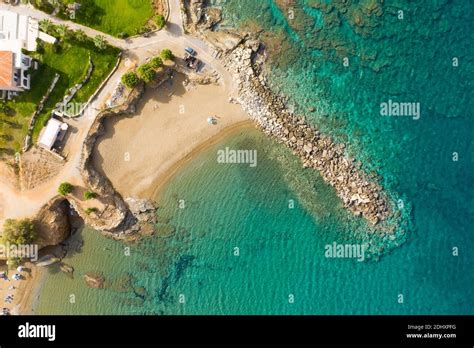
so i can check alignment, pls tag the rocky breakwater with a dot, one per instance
(240, 54)
(359, 193)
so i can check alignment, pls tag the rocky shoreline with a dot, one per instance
(123, 219)
(241, 54)
(361, 194)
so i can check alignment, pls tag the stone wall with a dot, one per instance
(38, 111)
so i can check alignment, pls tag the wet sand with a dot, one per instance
(139, 153)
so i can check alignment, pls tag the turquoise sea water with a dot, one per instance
(281, 250)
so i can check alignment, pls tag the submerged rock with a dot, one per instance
(65, 268)
(94, 280)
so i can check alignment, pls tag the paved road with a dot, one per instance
(173, 36)
(18, 204)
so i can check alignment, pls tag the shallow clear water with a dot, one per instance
(281, 252)
(282, 249)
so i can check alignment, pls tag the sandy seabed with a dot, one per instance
(139, 153)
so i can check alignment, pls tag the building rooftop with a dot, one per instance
(6, 69)
(16, 27)
(51, 132)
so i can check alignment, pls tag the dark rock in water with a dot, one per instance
(94, 280)
(166, 230)
(141, 292)
(124, 283)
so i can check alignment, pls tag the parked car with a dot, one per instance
(190, 51)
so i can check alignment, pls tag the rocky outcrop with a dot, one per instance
(359, 193)
(121, 219)
(143, 209)
(94, 280)
(116, 219)
(52, 223)
(67, 269)
(200, 15)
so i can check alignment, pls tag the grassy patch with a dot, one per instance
(70, 62)
(14, 124)
(113, 16)
(126, 16)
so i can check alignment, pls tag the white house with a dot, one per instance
(17, 32)
(54, 130)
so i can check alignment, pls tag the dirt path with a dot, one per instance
(18, 204)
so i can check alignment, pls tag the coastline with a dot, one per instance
(27, 295)
(26, 291)
(32, 292)
(160, 181)
(182, 139)
(168, 128)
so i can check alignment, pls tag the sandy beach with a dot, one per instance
(139, 153)
(24, 292)
(142, 152)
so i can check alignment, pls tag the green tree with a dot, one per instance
(100, 42)
(91, 210)
(46, 25)
(80, 35)
(65, 188)
(146, 73)
(89, 12)
(130, 79)
(4, 108)
(39, 46)
(89, 195)
(160, 21)
(166, 54)
(63, 31)
(156, 62)
(18, 232)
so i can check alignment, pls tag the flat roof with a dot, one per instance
(6, 69)
(50, 133)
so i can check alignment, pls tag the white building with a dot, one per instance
(17, 32)
(54, 130)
